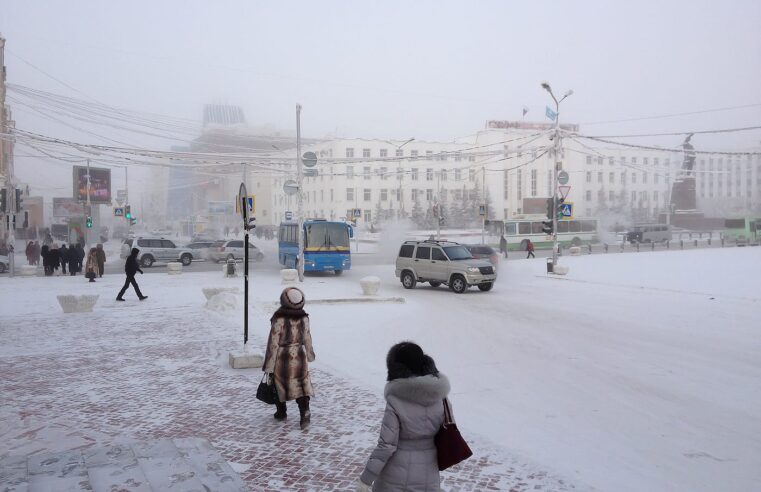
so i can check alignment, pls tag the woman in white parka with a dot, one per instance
(405, 457)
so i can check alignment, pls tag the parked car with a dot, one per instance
(156, 249)
(483, 252)
(233, 250)
(4, 264)
(442, 262)
(200, 249)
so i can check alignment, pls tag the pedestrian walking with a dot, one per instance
(289, 350)
(101, 259)
(80, 256)
(91, 267)
(73, 259)
(131, 268)
(530, 249)
(406, 457)
(64, 252)
(503, 246)
(37, 252)
(30, 252)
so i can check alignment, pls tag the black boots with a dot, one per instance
(281, 411)
(306, 415)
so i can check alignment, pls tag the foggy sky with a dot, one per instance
(397, 69)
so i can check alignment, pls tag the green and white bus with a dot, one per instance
(573, 232)
(742, 231)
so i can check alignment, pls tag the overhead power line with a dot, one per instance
(673, 115)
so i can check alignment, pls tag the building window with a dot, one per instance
(471, 175)
(623, 178)
(644, 161)
(349, 172)
(384, 172)
(428, 154)
(599, 177)
(413, 173)
(589, 177)
(588, 196)
(655, 196)
(429, 174)
(600, 195)
(589, 159)
(399, 173)
(634, 196)
(457, 174)
(634, 178)
(366, 171)
(365, 152)
(443, 174)
(656, 161)
(599, 161)
(349, 152)
(398, 194)
(384, 152)
(413, 153)
(429, 194)
(399, 153)
(322, 195)
(458, 157)
(634, 160)
(611, 178)
(505, 188)
(414, 195)
(472, 158)
(610, 161)
(384, 195)
(368, 194)
(533, 182)
(518, 185)
(644, 178)
(655, 178)
(611, 195)
(368, 215)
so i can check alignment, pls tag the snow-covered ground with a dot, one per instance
(634, 372)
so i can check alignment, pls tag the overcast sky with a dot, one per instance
(424, 69)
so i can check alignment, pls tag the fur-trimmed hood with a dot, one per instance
(425, 390)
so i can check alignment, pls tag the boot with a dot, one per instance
(306, 415)
(281, 411)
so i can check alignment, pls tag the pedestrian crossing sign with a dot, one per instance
(566, 211)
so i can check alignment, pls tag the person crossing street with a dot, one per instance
(530, 249)
(131, 268)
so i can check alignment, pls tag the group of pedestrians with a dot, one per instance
(529, 247)
(54, 257)
(406, 457)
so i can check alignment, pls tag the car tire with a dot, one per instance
(408, 280)
(186, 259)
(485, 287)
(434, 284)
(458, 284)
(338, 272)
(147, 261)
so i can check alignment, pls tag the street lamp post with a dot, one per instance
(558, 166)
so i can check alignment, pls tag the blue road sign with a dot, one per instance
(550, 113)
(566, 209)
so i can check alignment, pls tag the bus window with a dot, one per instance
(574, 226)
(524, 227)
(587, 226)
(734, 223)
(510, 228)
(562, 226)
(536, 228)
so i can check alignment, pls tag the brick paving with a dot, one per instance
(79, 381)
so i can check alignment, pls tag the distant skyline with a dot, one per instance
(431, 70)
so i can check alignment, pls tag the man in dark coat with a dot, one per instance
(80, 256)
(503, 246)
(64, 252)
(101, 255)
(46, 259)
(131, 268)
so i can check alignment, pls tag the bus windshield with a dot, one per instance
(457, 253)
(326, 235)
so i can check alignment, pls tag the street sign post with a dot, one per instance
(118, 212)
(482, 210)
(288, 215)
(309, 159)
(563, 177)
(357, 213)
(290, 187)
(244, 213)
(564, 191)
(566, 210)
(550, 113)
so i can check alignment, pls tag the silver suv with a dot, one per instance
(442, 262)
(156, 249)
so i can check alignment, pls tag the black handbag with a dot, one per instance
(266, 391)
(451, 448)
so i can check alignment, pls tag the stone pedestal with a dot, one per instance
(574, 251)
(370, 285)
(174, 268)
(289, 275)
(245, 359)
(28, 270)
(560, 270)
(77, 304)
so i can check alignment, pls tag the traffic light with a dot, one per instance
(251, 223)
(550, 207)
(88, 222)
(547, 227)
(19, 199)
(127, 213)
(441, 220)
(3, 196)
(132, 220)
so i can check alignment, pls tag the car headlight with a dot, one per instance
(473, 269)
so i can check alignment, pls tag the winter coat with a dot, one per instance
(502, 244)
(64, 252)
(44, 253)
(289, 348)
(405, 458)
(130, 266)
(92, 263)
(101, 255)
(530, 246)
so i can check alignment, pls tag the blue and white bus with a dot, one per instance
(326, 245)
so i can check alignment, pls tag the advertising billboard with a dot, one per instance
(67, 207)
(522, 125)
(100, 184)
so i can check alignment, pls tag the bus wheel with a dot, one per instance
(338, 272)
(575, 241)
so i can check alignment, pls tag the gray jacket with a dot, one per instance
(405, 458)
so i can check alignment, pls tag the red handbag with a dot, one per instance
(451, 448)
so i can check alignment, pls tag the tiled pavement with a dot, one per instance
(84, 380)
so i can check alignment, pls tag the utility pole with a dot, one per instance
(6, 163)
(483, 200)
(438, 206)
(300, 209)
(88, 232)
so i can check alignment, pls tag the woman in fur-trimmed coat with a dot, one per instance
(405, 458)
(289, 349)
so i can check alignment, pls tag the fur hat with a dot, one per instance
(292, 298)
(407, 359)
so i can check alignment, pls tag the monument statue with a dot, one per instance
(689, 156)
